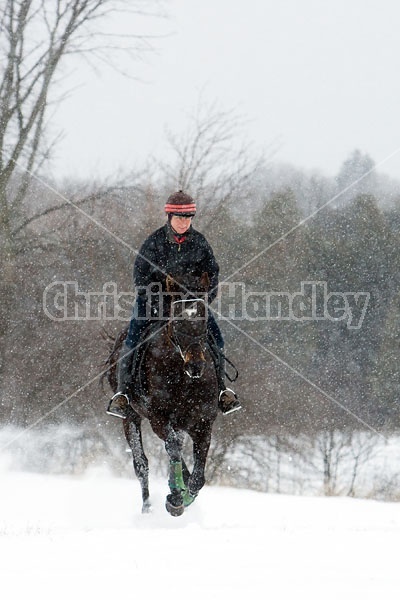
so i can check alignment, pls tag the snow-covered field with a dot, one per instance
(85, 537)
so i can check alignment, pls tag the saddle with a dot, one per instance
(137, 383)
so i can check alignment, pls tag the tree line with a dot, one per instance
(299, 375)
(271, 249)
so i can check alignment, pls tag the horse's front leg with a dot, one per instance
(201, 446)
(173, 445)
(133, 434)
(185, 470)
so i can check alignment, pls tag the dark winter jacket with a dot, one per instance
(160, 255)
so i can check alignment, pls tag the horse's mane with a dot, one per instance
(189, 283)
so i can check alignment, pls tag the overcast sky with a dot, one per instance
(318, 78)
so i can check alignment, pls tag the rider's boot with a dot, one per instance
(119, 403)
(227, 401)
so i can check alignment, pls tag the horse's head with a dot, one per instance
(188, 322)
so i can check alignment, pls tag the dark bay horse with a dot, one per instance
(177, 392)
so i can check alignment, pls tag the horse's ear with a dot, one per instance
(205, 281)
(170, 284)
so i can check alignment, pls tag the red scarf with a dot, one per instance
(179, 237)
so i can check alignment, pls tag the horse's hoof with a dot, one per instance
(173, 509)
(146, 508)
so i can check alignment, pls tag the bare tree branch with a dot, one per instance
(212, 162)
(36, 37)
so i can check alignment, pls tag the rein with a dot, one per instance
(196, 340)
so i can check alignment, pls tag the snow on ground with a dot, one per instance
(69, 537)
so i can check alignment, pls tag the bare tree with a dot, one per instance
(342, 454)
(35, 37)
(211, 160)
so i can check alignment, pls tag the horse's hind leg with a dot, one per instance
(133, 434)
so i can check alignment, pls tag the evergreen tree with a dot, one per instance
(356, 176)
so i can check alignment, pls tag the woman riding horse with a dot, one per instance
(175, 390)
(179, 250)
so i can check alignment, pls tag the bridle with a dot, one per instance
(178, 339)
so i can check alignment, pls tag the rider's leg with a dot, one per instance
(228, 401)
(119, 402)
